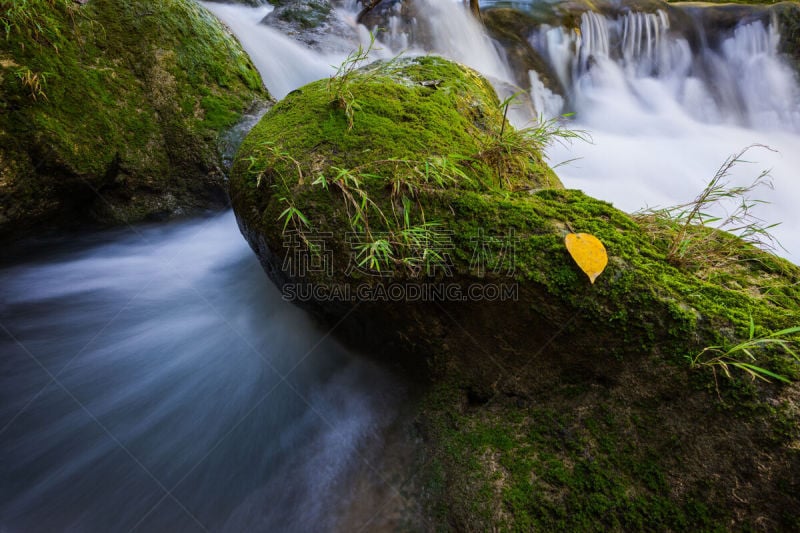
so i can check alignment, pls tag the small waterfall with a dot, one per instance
(443, 27)
(593, 42)
(284, 63)
(664, 116)
(638, 59)
(642, 40)
(545, 103)
(457, 35)
(767, 88)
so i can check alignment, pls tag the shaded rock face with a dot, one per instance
(402, 20)
(511, 29)
(788, 16)
(111, 111)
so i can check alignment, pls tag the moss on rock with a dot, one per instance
(426, 151)
(111, 110)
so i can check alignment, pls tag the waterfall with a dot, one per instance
(637, 59)
(284, 63)
(458, 36)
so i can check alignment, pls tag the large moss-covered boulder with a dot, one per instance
(395, 203)
(385, 161)
(111, 110)
(398, 172)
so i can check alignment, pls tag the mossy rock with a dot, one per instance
(606, 353)
(111, 111)
(413, 115)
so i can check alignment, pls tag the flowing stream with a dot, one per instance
(153, 380)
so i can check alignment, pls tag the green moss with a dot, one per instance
(136, 94)
(219, 113)
(407, 119)
(597, 461)
(402, 115)
(410, 110)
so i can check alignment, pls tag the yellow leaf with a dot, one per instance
(588, 252)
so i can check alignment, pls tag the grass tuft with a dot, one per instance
(742, 356)
(343, 85)
(696, 237)
(510, 151)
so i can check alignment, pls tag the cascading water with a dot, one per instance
(289, 63)
(459, 37)
(663, 111)
(639, 59)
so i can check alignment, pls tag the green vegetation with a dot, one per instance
(395, 229)
(511, 148)
(742, 355)
(344, 82)
(647, 455)
(110, 111)
(694, 232)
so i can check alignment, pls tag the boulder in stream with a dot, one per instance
(395, 203)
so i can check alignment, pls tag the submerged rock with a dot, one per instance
(395, 204)
(316, 23)
(111, 111)
(300, 14)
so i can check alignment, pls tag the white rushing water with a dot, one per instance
(662, 119)
(290, 63)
